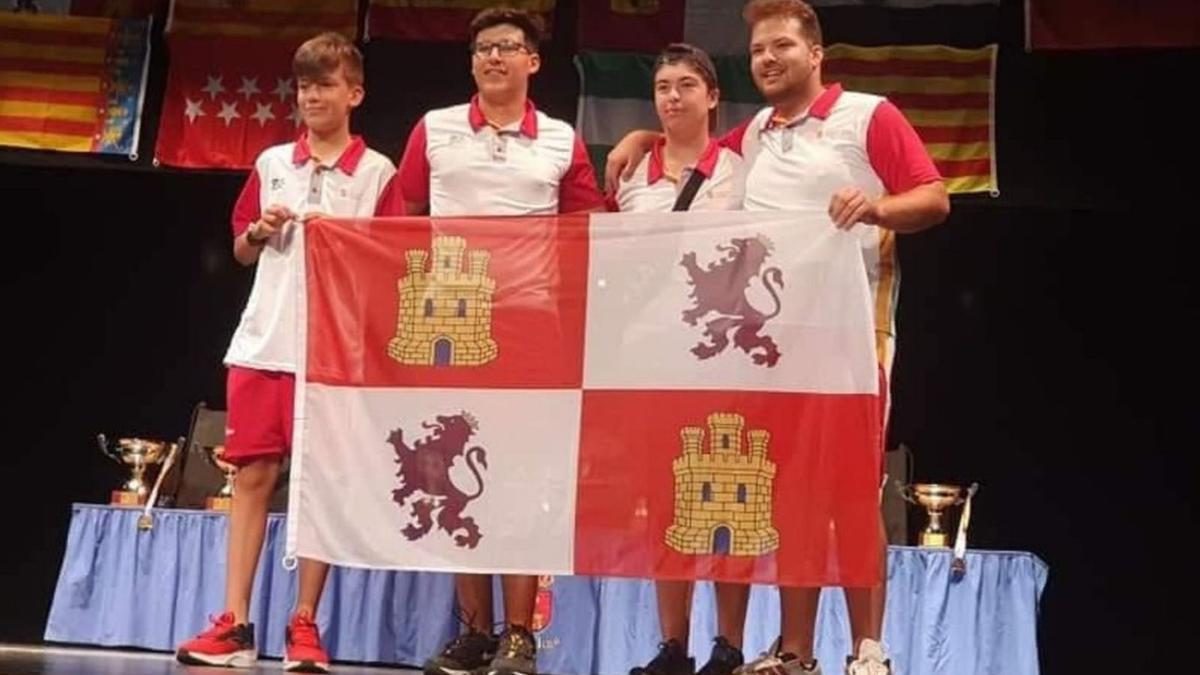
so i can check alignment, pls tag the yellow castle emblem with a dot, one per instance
(722, 494)
(445, 315)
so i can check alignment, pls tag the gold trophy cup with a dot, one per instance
(139, 455)
(936, 499)
(224, 497)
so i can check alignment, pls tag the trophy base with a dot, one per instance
(218, 503)
(935, 540)
(125, 498)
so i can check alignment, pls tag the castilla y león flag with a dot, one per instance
(671, 395)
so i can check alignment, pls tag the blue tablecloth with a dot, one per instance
(153, 589)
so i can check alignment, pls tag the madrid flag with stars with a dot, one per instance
(227, 99)
(674, 396)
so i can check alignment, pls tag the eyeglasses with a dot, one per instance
(506, 48)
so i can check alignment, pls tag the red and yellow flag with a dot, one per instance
(948, 94)
(71, 83)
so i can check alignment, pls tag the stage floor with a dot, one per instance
(41, 660)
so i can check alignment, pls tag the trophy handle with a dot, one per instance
(212, 456)
(905, 492)
(966, 497)
(102, 441)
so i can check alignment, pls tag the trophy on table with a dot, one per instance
(139, 455)
(224, 497)
(936, 499)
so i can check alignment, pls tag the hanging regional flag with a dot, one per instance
(438, 20)
(948, 94)
(227, 99)
(74, 84)
(681, 396)
(230, 92)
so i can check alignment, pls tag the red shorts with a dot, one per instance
(259, 422)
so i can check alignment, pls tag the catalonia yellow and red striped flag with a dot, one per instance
(438, 20)
(947, 94)
(72, 83)
(285, 20)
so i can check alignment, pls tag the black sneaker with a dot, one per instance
(725, 658)
(672, 659)
(463, 654)
(516, 654)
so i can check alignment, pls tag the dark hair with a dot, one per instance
(689, 55)
(695, 58)
(530, 23)
(810, 27)
(321, 56)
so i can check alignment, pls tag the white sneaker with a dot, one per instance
(870, 660)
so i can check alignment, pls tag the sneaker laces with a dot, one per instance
(664, 654)
(774, 658)
(517, 641)
(724, 658)
(764, 659)
(724, 650)
(304, 631)
(467, 620)
(658, 663)
(220, 625)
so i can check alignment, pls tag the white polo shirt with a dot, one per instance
(845, 139)
(650, 190)
(460, 165)
(267, 337)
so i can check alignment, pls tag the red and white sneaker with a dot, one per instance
(225, 643)
(303, 652)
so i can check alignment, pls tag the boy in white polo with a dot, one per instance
(327, 172)
(494, 156)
